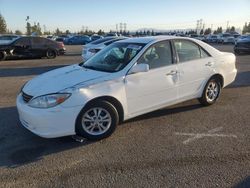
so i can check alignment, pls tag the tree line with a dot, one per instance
(36, 28)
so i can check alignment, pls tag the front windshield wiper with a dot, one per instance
(95, 68)
(92, 67)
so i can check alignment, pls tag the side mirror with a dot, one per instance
(139, 68)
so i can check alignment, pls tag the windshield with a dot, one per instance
(114, 57)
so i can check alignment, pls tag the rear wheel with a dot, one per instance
(211, 92)
(97, 121)
(50, 54)
(3, 55)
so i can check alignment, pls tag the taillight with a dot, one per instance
(60, 44)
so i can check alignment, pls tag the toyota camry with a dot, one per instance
(126, 79)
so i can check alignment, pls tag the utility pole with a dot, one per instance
(227, 24)
(121, 27)
(197, 26)
(125, 27)
(116, 28)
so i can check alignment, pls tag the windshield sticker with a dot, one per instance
(134, 47)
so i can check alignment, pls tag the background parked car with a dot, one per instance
(78, 39)
(242, 45)
(212, 39)
(7, 38)
(96, 37)
(92, 48)
(226, 38)
(31, 47)
(111, 35)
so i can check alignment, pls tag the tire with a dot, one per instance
(51, 54)
(237, 52)
(92, 126)
(3, 55)
(211, 92)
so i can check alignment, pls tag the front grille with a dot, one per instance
(26, 97)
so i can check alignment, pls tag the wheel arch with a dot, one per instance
(220, 78)
(112, 100)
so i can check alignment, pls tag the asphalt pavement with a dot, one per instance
(186, 145)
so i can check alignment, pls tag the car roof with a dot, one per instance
(146, 40)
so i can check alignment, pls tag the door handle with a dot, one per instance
(209, 64)
(171, 73)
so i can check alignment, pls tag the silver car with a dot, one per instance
(92, 48)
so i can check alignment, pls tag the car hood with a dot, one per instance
(60, 79)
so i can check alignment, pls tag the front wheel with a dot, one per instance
(97, 121)
(211, 92)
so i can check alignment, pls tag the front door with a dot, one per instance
(150, 90)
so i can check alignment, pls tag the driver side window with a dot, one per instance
(158, 55)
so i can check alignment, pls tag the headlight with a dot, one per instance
(48, 101)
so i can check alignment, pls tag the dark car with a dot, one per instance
(242, 46)
(31, 47)
(78, 39)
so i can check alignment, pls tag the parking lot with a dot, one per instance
(186, 145)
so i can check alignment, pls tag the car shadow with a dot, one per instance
(183, 107)
(242, 80)
(18, 146)
(11, 72)
(243, 184)
(72, 54)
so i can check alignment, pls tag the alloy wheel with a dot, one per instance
(96, 121)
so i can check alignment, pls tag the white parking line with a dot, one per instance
(210, 133)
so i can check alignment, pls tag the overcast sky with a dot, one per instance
(99, 14)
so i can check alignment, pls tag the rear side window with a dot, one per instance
(51, 42)
(188, 51)
(38, 41)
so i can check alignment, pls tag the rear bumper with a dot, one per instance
(230, 77)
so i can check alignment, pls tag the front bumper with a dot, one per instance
(48, 123)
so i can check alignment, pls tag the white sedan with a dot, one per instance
(126, 79)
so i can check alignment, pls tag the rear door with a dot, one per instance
(38, 46)
(195, 67)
